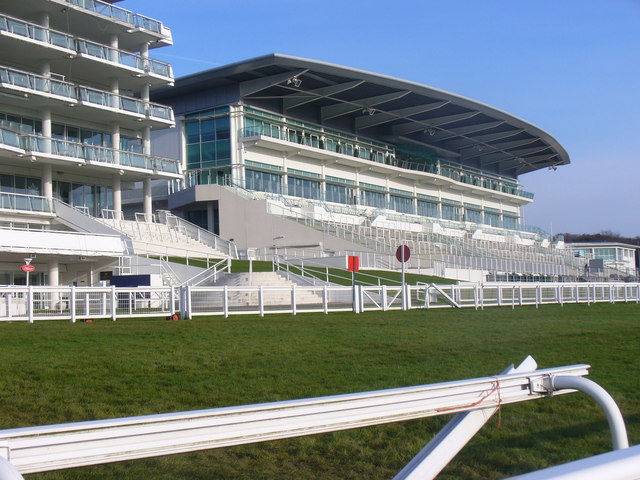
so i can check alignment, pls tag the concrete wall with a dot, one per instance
(249, 224)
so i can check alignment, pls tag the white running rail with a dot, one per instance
(53, 447)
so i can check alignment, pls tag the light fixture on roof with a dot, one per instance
(295, 81)
(553, 167)
(368, 110)
(430, 131)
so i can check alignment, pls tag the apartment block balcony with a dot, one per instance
(130, 165)
(93, 62)
(33, 204)
(95, 19)
(57, 94)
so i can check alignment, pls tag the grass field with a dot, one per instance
(59, 372)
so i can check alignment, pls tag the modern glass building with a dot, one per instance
(75, 129)
(325, 142)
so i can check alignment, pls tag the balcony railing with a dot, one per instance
(36, 32)
(38, 83)
(372, 152)
(123, 58)
(118, 13)
(63, 40)
(7, 137)
(37, 145)
(27, 203)
(86, 95)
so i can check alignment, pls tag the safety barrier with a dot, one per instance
(474, 401)
(83, 303)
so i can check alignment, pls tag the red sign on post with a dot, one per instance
(353, 263)
(28, 268)
(403, 253)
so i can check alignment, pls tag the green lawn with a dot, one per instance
(57, 372)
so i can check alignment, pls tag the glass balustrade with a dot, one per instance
(34, 144)
(368, 151)
(29, 203)
(117, 13)
(59, 39)
(10, 138)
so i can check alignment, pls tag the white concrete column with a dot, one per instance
(113, 52)
(144, 93)
(115, 143)
(148, 205)
(54, 273)
(47, 181)
(117, 197)
(46, 129)
(146, 141)
(115, 90)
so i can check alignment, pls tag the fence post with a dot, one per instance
(408, 301)
(294, 310)
(30, 303)
(114, 303)
(475, 296)
(384, 298)
(325, 299)
(225, 301)
(72, 304)
(261, 300)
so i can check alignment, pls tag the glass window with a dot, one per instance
(207, 130)
(451, 212)
(373, 199)
(401, 204)
(471, 215)
(193, 132)
(427, 209)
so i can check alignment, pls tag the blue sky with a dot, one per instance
(571, 67)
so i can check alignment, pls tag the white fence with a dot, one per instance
(83, 303)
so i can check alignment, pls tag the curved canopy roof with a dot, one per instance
(383, 108)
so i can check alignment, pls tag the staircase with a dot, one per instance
(265, 279)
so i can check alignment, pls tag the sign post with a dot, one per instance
(27, 268)
(353, 265)
(402, 254)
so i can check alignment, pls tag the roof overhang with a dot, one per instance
(383, 108)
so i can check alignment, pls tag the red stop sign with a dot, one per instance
(28, 268)
(403, 253)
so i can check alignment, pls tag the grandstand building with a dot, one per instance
(75, 123)
(281, 152)
(608, 260)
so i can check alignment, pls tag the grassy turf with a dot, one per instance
(59, 372)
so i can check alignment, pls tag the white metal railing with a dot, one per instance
(36, 303)
(39, 84)
(64, 40)
(27, 203)
(53, 447)
(118, 13)
(38, 145)
(198, 233)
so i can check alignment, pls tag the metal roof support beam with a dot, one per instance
(463, 131)
(332, 111)
(367, 121)
(417, 125)
(253, 86)
(484, 139)
(303, 97)
(491, 159)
